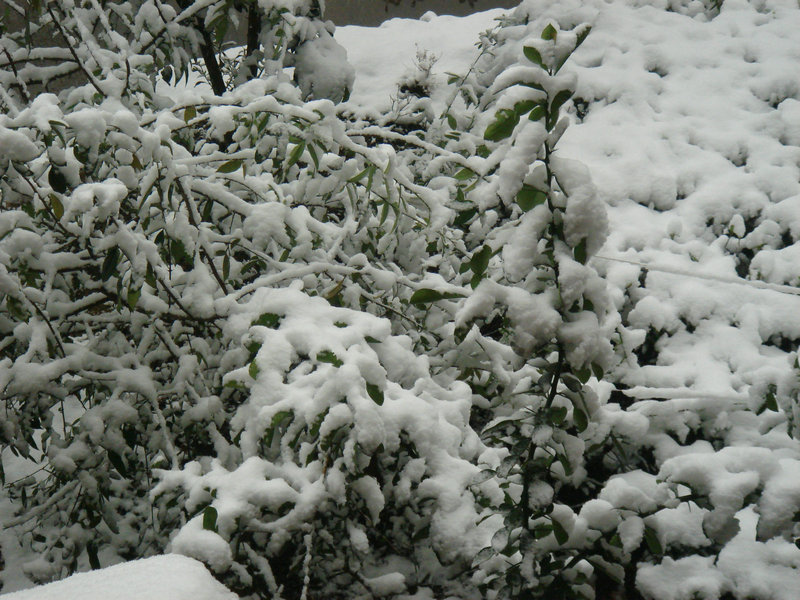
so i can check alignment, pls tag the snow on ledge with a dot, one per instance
(167, 577)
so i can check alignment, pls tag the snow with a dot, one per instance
(167, 577)
(382, 55)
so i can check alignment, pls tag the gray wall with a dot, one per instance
(374, 12)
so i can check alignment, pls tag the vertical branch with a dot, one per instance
(210, 59)
(253, 31)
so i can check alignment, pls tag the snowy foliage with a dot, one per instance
(334, 354)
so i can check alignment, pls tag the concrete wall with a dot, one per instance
(374, 12)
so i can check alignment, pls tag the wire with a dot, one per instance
(763, 285)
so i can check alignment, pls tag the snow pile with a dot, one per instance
(167, 577)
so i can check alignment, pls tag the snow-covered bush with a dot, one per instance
(346, 357)
(133, 227)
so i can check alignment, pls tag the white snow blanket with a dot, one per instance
(168, 577)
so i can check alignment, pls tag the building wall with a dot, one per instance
(374, 12)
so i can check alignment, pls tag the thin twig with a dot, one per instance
(63, 33)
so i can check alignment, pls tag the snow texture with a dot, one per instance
(167, 577)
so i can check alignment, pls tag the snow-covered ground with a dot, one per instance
(168, 577)
(691, 129)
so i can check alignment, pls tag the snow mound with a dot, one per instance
(167, 577)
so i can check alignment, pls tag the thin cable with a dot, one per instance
(763, 285)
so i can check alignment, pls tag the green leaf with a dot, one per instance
(770, 401)
(189, 113)
(451, 120)
(580, 419)
(426, 296)
(465, 173)
(557, 414)
(360, 176)
(329, 357)
(598, 371)
(110, 263)
(150, 277)
(210, 518)
(484, 555)
(133, 297)
(375, 393)
(464, 217)
(295, 154)
(503, 125)
(207, 208)
(533, 55)
(549, 32)
(559, 532)
(572, 383)
(529, 197)
(91, 551)
(226, 267)
(558, 102)
(542, 530)
(270, 320)
(57, 181)
(568, 470)
(537, 113)
(277, 419)
(524, 106)
(583, 35)
(56, 206)
(651, 539)
(178, 252)
(583, 374)
(253, 370)
(119, 464)
(230, 166)
(480, 260)
(314, 158)
(579, 252)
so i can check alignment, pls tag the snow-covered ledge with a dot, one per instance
(167, 577)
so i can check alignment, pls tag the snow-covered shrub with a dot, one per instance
(174, 394)
(126, 47)
(547, 314)
(132, 227)
(354, 464)
(339, 357)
